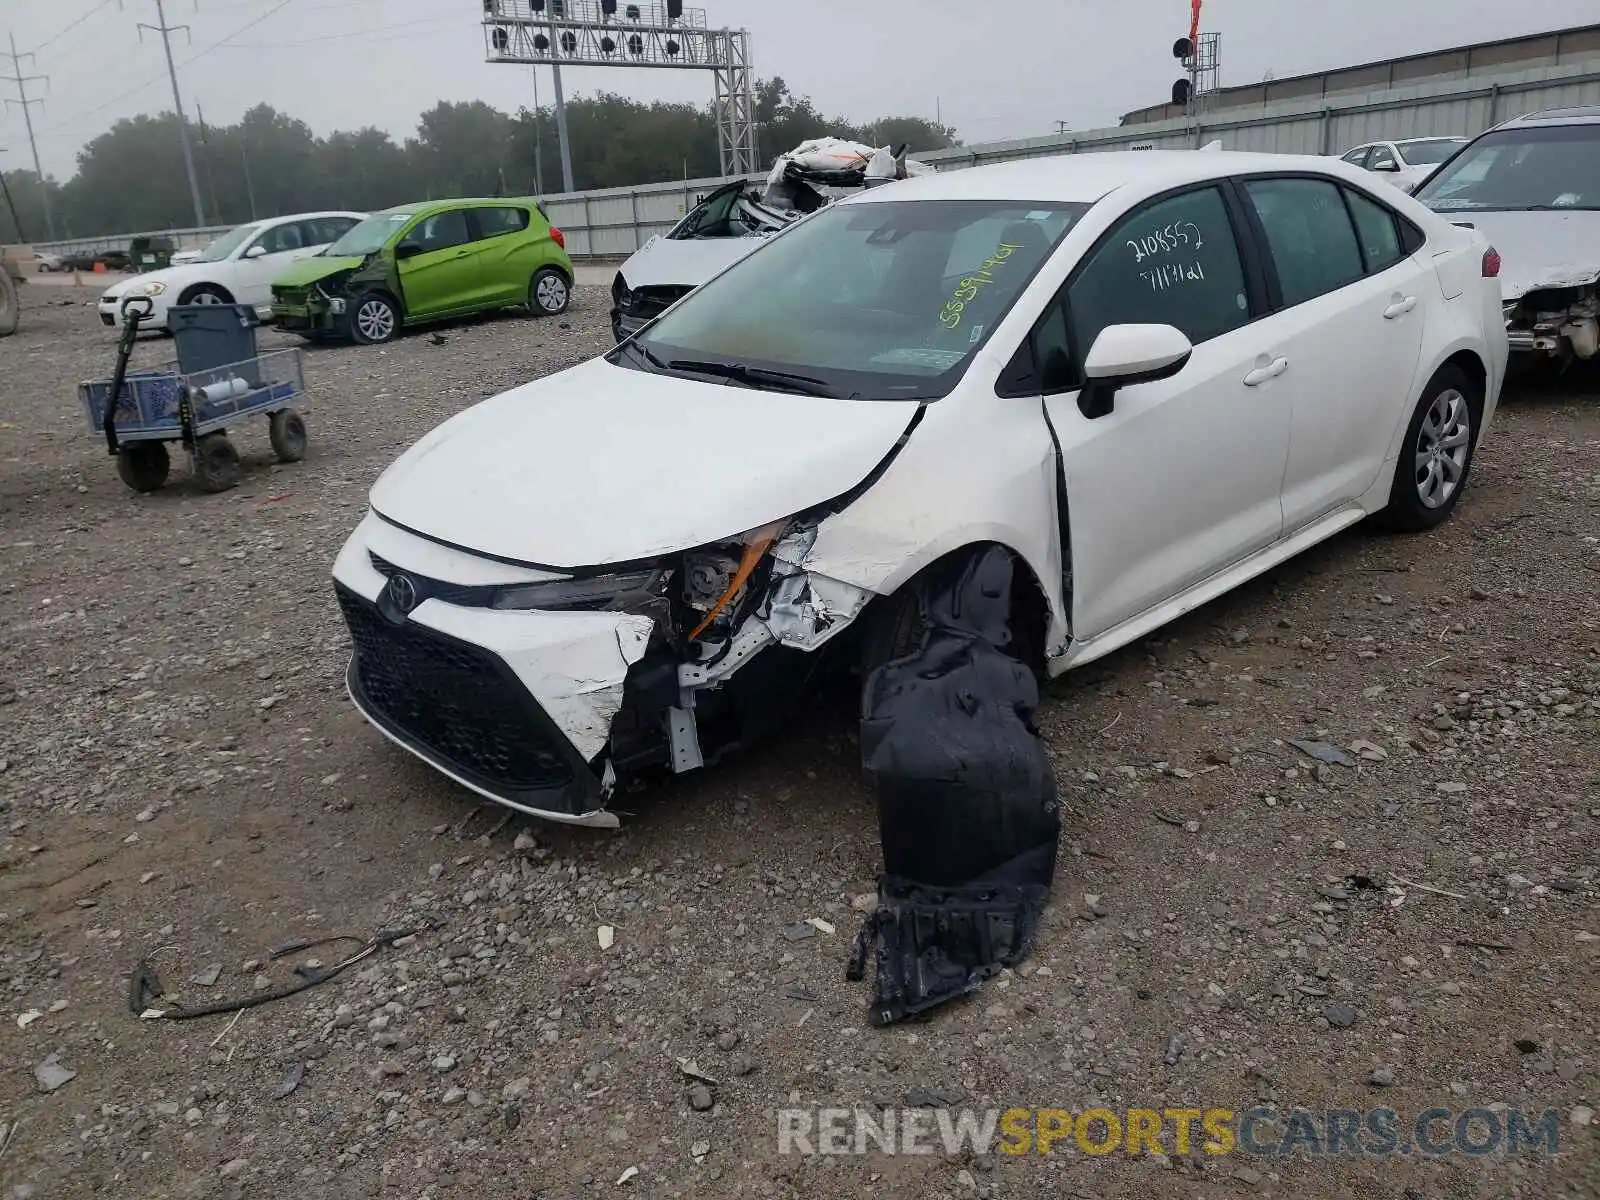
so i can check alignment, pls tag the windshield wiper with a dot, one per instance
(642, 351)
(756, 377)
(1560, 208)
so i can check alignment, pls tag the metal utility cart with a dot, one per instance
(218, 380)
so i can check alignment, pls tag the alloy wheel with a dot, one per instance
(1443, 443)
(551, 293)
(375, 319)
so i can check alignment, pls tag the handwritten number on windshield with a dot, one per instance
(968, 288)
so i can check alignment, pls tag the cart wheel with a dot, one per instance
(216, 462)
(288, 433)
(143, 466)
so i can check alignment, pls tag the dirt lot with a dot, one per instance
(183, 779)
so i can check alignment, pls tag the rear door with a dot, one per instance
(1182, 478)
(1350, 307)
(434, 257)
(506, 253)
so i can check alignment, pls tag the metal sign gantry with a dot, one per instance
(598, 33)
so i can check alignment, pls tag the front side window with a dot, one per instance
(319, 231)
(1382, 160)
(1525, 168)
(1174, 263)
(715, 216)
(1358, 156)
(1377, 232)
(281, 238)
(441, 231)
(1310, 234)
(492, 222)
(873, 300)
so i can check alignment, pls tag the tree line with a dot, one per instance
(132, 176)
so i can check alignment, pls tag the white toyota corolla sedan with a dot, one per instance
(1096, 390)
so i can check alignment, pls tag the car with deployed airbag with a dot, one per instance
(1123, 383)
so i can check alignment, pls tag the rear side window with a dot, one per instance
(492, 222)
(1309, 232)
(1173, 263)
(1377, 232)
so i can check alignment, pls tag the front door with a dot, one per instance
(1183, 477)
(263, 260)
(437, 272)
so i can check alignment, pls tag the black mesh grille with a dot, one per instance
(651, 302)
(460, 703)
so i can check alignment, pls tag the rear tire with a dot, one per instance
(143, 466)
(216, 463)
(287, 429)
(548, 293)
(10, 305)
(1436, 453)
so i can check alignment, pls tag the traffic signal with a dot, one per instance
(1181, 93)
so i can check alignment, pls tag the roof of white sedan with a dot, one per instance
(1085, 178)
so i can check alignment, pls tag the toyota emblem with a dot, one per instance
(403, 592)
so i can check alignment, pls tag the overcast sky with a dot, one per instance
(994, 70)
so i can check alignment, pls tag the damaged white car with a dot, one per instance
(1532, 185)
(1095, 390)
(731, 221)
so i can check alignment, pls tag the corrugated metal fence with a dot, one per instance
(613, 222)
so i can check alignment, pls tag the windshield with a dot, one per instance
(1430, 150)
(227, 244)
(369, 236)
(875, 301)
(1520, 169)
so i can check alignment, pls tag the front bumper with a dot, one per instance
(312, 313)
(110, 310)
(516, 705)
(625, 324)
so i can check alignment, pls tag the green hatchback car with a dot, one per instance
(425, 262)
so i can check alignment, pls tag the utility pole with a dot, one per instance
(205, 164)
(166, 31)
(538, 139)
(22, 101)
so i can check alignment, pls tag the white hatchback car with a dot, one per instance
(1141, 379)
(237, 268)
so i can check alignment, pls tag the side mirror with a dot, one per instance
(1124, 355)
(256, 251)
(1391, 165)
(407, 250)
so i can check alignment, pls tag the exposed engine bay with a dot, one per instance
(1559, 321)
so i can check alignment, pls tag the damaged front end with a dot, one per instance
(1556, 321)
(967, 804)
(542, 692)
(316, 300)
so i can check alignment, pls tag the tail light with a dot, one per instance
(560, 239)
(1491, 263)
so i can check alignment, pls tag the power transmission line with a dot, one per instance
(56, 37)
(24, 102)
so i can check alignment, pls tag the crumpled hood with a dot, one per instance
(317, 267)
(1540, 249)
(602, 464)
(668, 262)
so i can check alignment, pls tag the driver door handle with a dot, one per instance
(1271, 371)
(1399, 307)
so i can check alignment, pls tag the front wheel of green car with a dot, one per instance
(548, 293)
(374, 319)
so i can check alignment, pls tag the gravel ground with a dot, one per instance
(183, 779)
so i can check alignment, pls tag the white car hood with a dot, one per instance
(668, 262)
(174, 277)
(601, 464)
(1539, 249)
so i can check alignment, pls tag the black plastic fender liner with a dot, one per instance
(967, 805)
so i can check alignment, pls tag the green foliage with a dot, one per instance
(132, 176)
